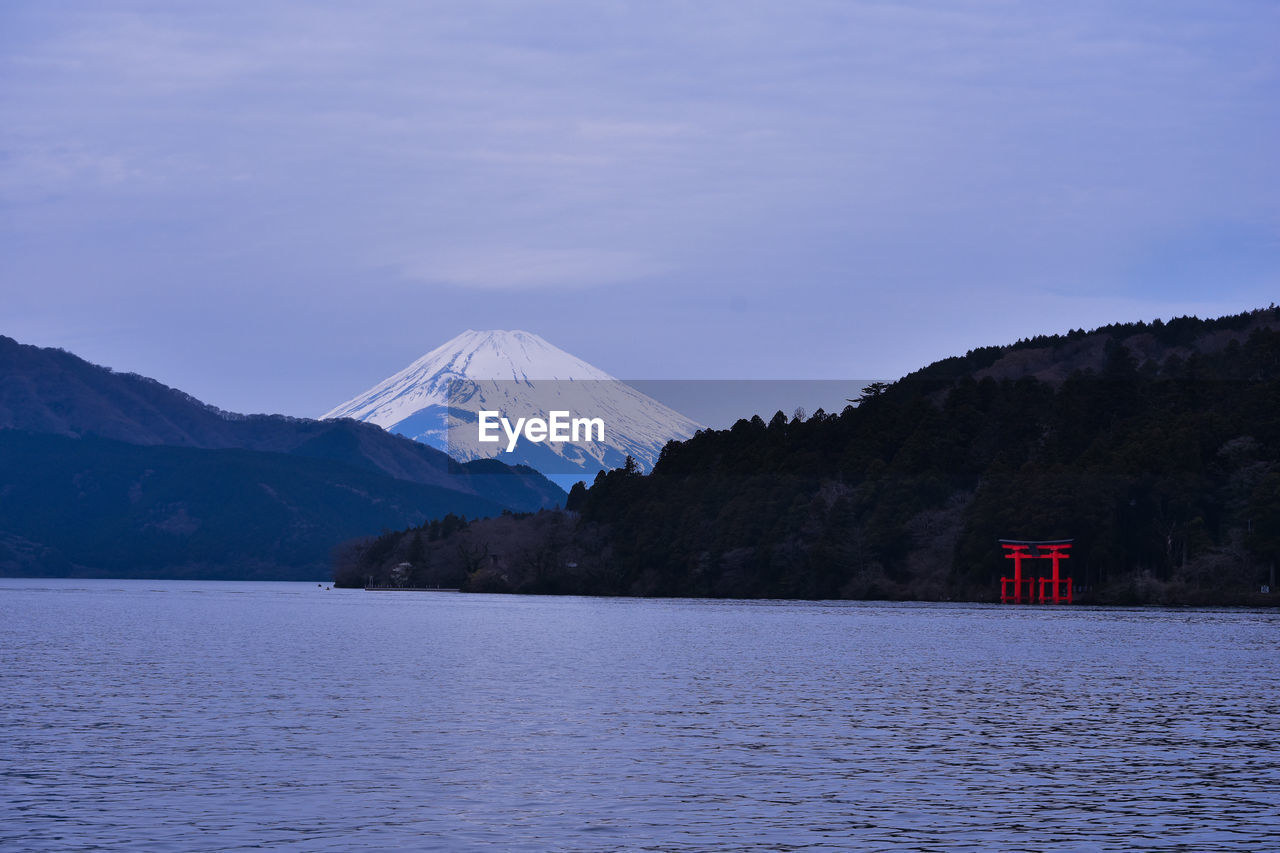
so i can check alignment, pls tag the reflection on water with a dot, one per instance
(158, 715)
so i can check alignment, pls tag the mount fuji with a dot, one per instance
(436, 401)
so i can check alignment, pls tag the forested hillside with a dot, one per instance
(1153, 445)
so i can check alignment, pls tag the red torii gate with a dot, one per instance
(1023, 549)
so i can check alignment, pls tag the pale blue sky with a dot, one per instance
(274, 205)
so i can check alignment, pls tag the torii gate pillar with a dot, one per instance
(1017, 552)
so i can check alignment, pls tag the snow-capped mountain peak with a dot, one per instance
(435, 400)
(492, 355)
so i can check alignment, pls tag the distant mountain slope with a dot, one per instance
(1156, 446)
(95, 507)
(103, 473)
(435, 401)
(55, 392)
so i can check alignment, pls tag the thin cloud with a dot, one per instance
(531, 269)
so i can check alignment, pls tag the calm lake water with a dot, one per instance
(160, 715)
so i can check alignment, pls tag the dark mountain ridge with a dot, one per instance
(105, 473)
(52, 391)
(1054, 358)
(96, 507)
(1154, 445)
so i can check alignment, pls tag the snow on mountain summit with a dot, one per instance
(493, 355)
(436, 400)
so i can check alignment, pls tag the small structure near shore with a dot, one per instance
(1052, 590)
(400, 582)
(372, 588)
